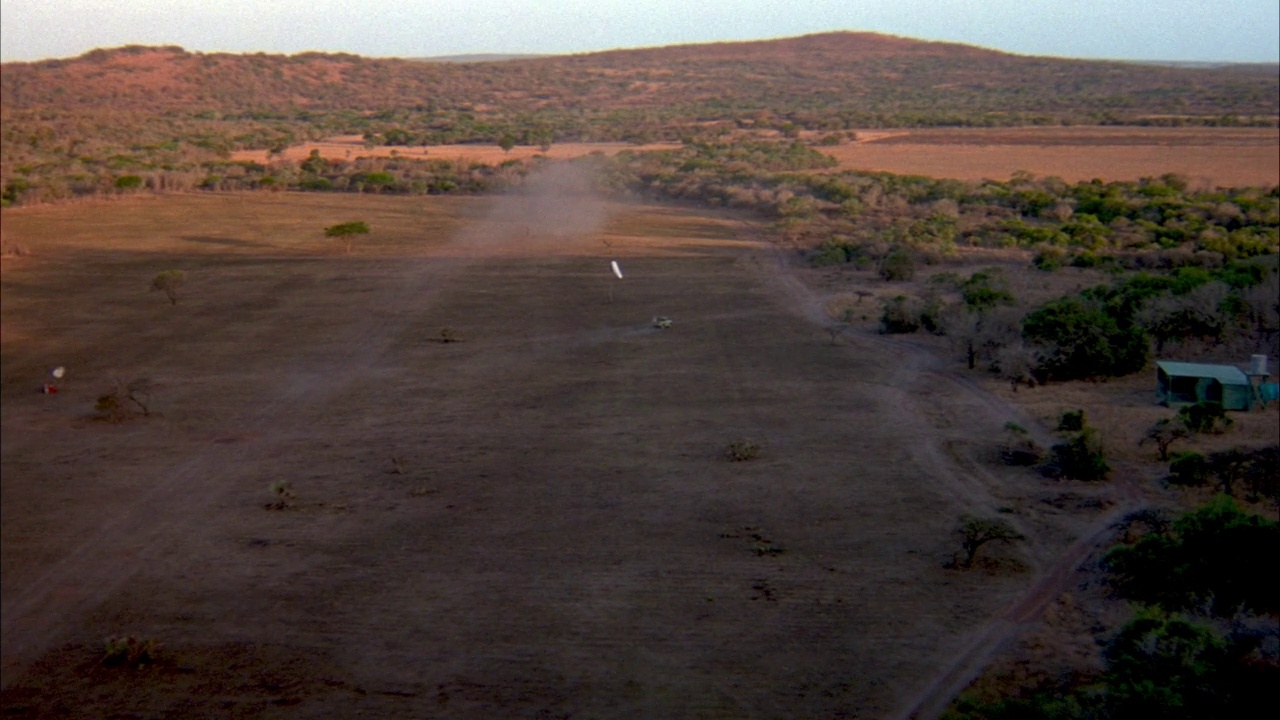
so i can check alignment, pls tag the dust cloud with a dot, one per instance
(556, 202)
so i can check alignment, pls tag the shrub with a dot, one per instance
(982, 291)
(899, 264)
(108, 407)
(742, 450)
(1049, 258)
(356, 227)
(899, 316)
(128, 182)
(1189, 469)
(1081, 457)
(319, 184)
(1262, 474)
(1043, 704)
(1018, 447)
(1205, 417)
(129, 651)
(1071, 421)
(283, 493)
(169, 282)
(834, 252)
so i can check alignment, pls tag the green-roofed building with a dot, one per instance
(1179, 383)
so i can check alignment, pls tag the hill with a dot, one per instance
(73, 125)
(820, 77)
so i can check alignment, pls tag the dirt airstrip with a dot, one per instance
(534, 521)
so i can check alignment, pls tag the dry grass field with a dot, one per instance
(1232, 157)
(1209, 157)
(534, 521)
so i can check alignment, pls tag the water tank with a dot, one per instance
(1258, 365)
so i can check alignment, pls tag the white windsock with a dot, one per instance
(616, 270)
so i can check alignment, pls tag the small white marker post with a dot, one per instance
(616, 271)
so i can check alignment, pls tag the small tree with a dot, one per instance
(976, 532)
(1017, 363)
(1229, 467)
(347, 232)
(169, 282)
(982, 335)
(123, 400)
(506, 141)
(1164, 433)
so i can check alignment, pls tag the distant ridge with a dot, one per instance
(481, 57)
(1200, 65)
(832, 80)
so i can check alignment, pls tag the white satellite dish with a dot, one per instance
(59, 371)
(616, 270)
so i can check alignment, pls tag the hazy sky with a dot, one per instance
(1201, 30)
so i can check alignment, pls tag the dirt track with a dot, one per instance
(563, 537)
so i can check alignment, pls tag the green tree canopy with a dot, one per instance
(1217, 557)
(1081, 339)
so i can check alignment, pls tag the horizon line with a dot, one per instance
(500, 56)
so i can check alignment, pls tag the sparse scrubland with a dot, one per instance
(983, 379)
(126, 119)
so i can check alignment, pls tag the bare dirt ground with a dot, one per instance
(1209, 157)
(535, 521)
(1206, 156)
(349, 147)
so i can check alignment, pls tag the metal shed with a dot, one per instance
(1182, 382)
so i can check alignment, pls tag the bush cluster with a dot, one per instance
(1198, 645)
